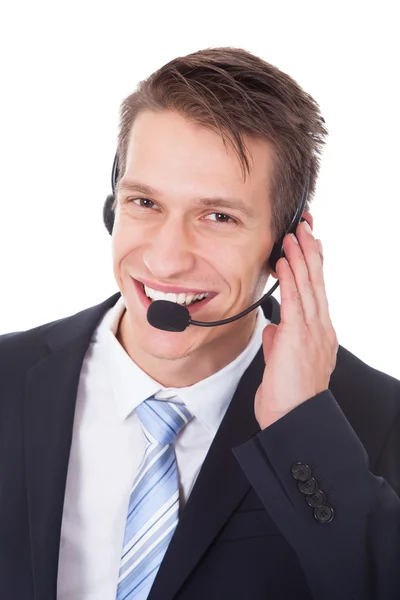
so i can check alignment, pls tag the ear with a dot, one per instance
(307, 216)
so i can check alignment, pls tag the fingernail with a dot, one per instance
(307, 227)
(294, 238)
(320, 247)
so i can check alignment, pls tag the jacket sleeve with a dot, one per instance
(311, 472)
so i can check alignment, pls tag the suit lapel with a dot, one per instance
(220, 486)
(49, 413)
(48, 423)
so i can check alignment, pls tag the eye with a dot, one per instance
(218, 217)
(143, 202)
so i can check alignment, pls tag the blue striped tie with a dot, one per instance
(154, 502)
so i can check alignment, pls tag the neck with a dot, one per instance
(194, 366)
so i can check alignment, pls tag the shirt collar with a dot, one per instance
(207, 399)
(131, 385)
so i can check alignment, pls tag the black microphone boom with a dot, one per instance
(170, 316)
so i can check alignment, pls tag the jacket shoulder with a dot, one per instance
(25, 346)
(363, 380)
(28, 347)
(369, 398)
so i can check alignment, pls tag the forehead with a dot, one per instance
(165, 148)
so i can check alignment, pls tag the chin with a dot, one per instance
(166, 345)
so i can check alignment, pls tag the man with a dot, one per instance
(257, 459)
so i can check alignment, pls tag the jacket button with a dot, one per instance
(316, 499)
(324, 514)
(308, 487)
(301, 471)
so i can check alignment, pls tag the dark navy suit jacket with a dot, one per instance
(252, 529)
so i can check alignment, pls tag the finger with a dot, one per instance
(304, 285)
(291, 308)
(268, 339)
(321, 251)
(314, 263)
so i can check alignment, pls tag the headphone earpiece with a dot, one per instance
(277, 249)
(108, 213)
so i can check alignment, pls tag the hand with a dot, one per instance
(300, 352)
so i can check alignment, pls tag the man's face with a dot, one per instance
(186, 222)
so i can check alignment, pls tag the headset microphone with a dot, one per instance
(171, 316)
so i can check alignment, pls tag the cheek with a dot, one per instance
(261, 283)
(253, 274)
(243, 267)
(125, 242)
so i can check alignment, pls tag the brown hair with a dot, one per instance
(235, 93)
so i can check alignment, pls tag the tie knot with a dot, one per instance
(163, 420)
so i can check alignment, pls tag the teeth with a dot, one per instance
(181, 298)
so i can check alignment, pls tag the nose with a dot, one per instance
(170, 252)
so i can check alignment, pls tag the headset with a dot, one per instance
(170, 316)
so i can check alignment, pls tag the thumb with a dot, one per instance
(268, 339)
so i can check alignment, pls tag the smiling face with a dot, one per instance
(188, 223)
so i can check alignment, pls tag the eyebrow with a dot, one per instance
(221, 202)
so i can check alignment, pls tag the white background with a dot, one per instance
(65, 68)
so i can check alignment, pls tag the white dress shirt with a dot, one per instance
(108, 446)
